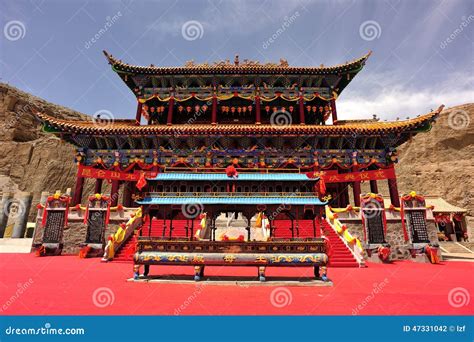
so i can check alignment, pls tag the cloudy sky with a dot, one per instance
(422, 50)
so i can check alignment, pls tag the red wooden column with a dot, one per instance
(334, 111)
(356, 185)
(127, 194)
(138, 117)
(258, 119)
(78, 190)
(301, 109)
(98, 186)
(374, 187)
(393, 190)
(169, 121)
(114, 193)
(214, 110)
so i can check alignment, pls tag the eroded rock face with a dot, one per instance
(31, 160)
(441, 162)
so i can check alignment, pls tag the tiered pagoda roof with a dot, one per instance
(335, 77)
(129, 127)
(246, 67)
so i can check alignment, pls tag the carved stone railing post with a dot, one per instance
(4, 210)
(21, 219)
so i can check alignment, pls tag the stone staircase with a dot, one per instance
(457, 250)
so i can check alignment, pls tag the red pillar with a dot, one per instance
(127, 194)
(374, 187)
(301, 108)
(98, 186)
(78, 190)
(138, 117)
(114, 193)
(214, 110)
(258, 119)
(393, 190)
(334, 111)
(356, 188)
(169, 121)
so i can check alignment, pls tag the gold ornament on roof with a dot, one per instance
(246, 63)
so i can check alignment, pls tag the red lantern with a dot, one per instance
(249, 108)
(315, 109)
(204, 108)
(275, 109)
(291, 109)
(239, 110)
(180, 108)
(308, 109)
(244, 109)
(232, 109)
(267, 109)
(196, 108)
(188, 109)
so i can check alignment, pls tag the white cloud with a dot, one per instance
(390, 102)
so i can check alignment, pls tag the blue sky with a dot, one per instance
(422, 50)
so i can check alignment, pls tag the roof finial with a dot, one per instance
(236, 60)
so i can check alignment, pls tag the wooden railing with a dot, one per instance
(170, 169)
(230, 194)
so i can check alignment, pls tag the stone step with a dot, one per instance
(13, 245)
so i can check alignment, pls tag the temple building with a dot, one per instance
(249, 141)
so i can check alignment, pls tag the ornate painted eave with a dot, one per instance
(236, 68)
(129, 127)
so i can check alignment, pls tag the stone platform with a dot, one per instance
(233, 281)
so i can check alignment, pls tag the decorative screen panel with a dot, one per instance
(96, 226)
(54, 226)
(417, 224)
(374, 223)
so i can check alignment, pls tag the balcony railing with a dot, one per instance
(229, 194)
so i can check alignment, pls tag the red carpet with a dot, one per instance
(66, 284)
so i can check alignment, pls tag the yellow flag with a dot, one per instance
(258, 222)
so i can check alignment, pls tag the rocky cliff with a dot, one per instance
(31, 160)
(441, 162)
